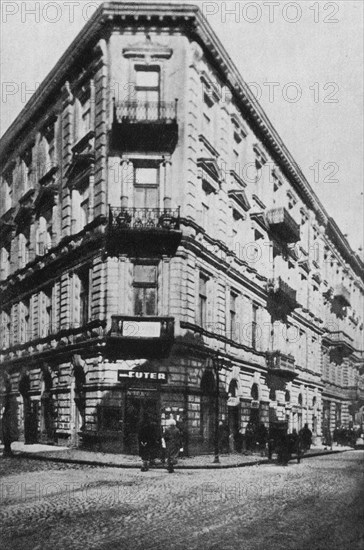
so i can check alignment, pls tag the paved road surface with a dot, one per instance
(317, 505)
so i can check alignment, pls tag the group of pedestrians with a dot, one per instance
(153, 444)
(286, 445)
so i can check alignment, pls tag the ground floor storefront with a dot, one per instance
(100, 404)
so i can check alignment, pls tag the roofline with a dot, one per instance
(240, 90)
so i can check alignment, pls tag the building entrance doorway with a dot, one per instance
(30, 412)
(207, 411)
(140, 405)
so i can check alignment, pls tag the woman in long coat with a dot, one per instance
(172, 437)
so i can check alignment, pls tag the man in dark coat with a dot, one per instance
(172, 437)
(305, 438)
(148, 441)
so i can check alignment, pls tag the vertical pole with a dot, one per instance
(217, 374)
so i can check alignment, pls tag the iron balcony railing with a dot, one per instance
(278, 361)
(144, 219)
(343, 294)
(146, 111)
(281, 221)
(281, 289)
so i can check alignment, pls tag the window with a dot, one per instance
(145, 289)
(207, 118)
(5, 255)
(146, 187)
(24, 321)
(6, 190)
(147, 92)
(48, 317)
(82, 117)
(254, 326)
(24, 248)
(205, 216)
(232, 326)
(84, 280)
(6, 340)
(27, 166)
(202, 301)
(291, 201)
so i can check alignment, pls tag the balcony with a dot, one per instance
(143, 232)
(340, 341)
(145, 126)
(280, 364)
(281, 298)
(283, 225)
(282, 292)
(342, 295)
(140, 337)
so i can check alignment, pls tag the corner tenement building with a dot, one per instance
(158, 241)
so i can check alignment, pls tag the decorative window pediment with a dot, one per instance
(240, 198)
(209, 172)
(261, 157)
(147, 50)
(211, 88)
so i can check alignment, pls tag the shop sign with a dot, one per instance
(233, 401)
(145, 376)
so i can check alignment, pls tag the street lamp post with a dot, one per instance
(217, 366)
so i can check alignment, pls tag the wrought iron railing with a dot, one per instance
(342, 294)
(279, 361)
(146, 111)
(144, 219)
(281, 220)
(280, 287)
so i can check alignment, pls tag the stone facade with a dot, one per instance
(152, 221)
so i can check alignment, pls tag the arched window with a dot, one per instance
(255, 392)
(300, 399)
(287, 396)
(233, 388)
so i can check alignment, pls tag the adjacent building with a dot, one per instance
(160, 246)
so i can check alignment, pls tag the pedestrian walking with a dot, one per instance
(172, 437)
(306, 438)
(148, 443)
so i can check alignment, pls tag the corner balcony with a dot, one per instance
(280, 364)
(140, 337)
(342, 295)
(341, 341)
(143, 232)
(283, 225)
(145, 126)
(282, 295)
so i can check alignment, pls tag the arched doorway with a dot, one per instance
(77, 399)
(47, 416)
(207, 411)
(233, 416)
(30, 411)
(255, 405)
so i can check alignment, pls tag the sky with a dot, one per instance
(303, 61)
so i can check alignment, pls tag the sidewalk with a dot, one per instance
(78, 456)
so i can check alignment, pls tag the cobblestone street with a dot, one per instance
(316, 505)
